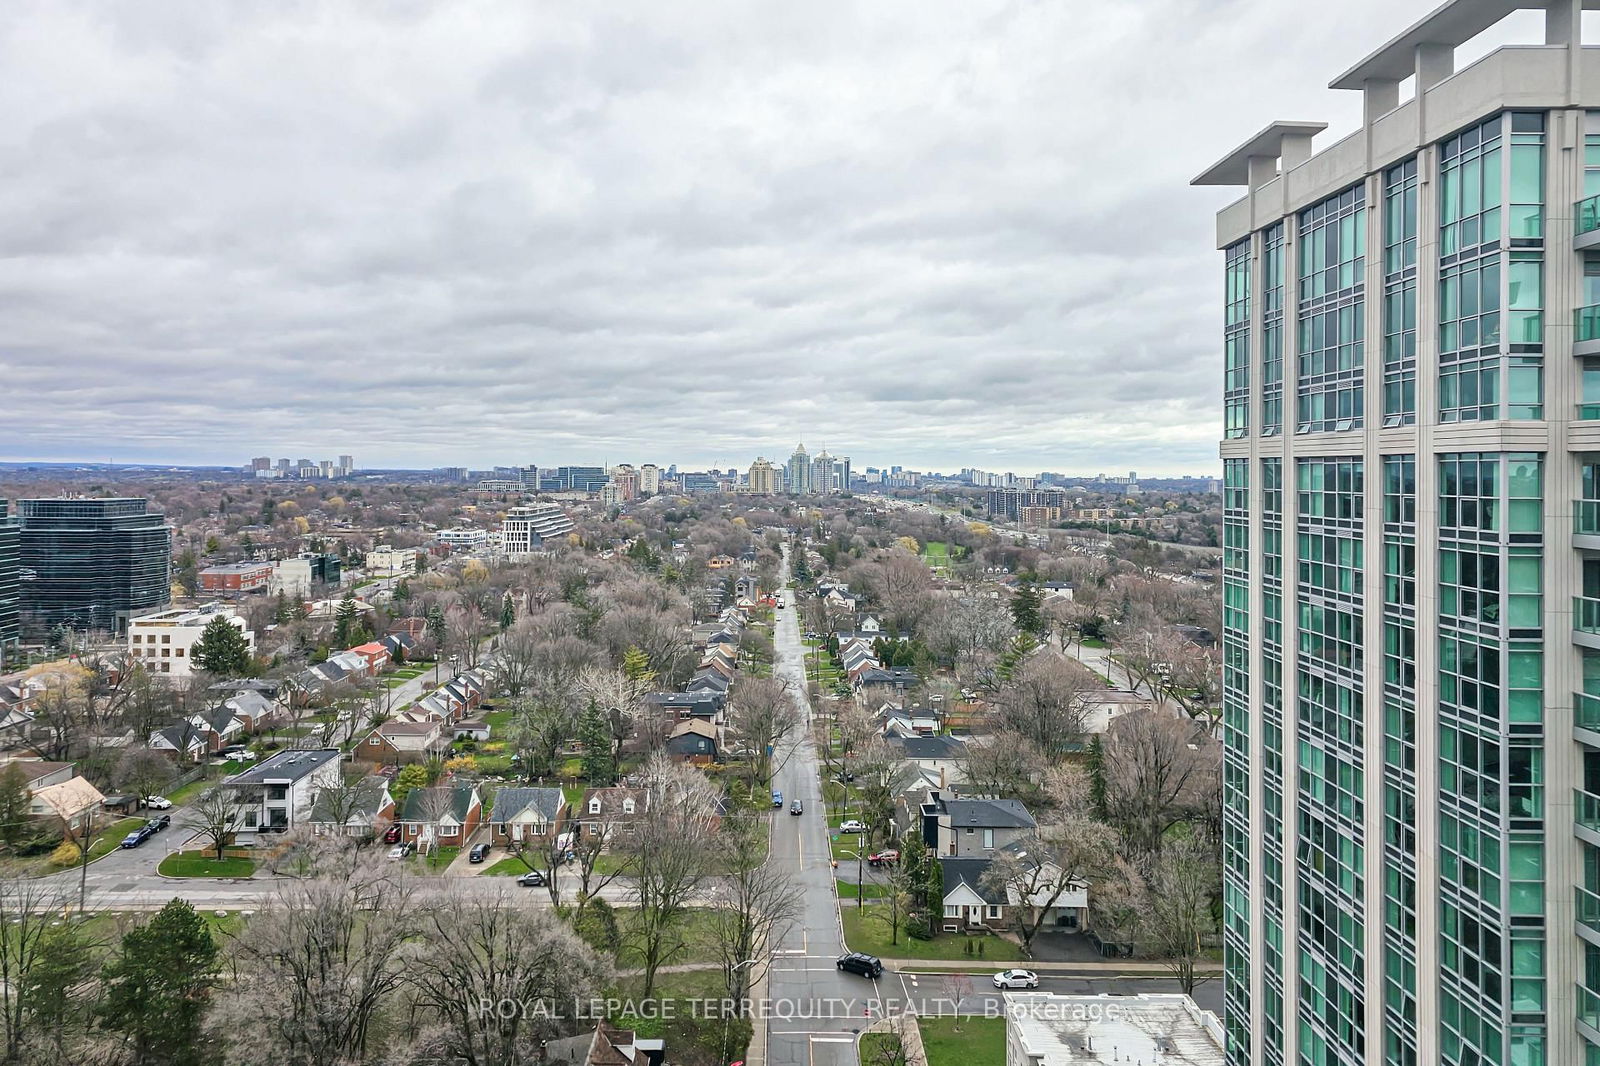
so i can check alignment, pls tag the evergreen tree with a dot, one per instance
(402, 591)
(16, 826)
(157, 987)
(56, 991)
(412, 775)
(508, 612)
(1026, 608)
(344, 619)
(636, 665)
(436, 628)
(222, 649)
(594, 733)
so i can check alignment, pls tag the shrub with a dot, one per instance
(66, 854)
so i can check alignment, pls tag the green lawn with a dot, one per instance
(407, 673)
(437, 859)
(511, 866)
(204, 864)
(883, 1047)
(847, 890)
(865, 931)
(497, 721)
(394, 682)
(979, 1040)
(189, 791)
(700, 945)
(1092, 642)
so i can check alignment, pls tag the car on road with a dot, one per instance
(156, 825)
(478, 853)
(158, 803)
(796, 808)
(531, 879)
(400, 851)
(138, 836)
(852, 825)
(886, 857)
(1016, 979)
(863, 964)
(777, 798)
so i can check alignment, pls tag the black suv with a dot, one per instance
(865, 965)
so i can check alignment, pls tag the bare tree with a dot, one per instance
(1044, 701)
(1176, 915)
(593, 840)
(316, 970)
(1004, 764)
(491, 951)
(143, 772)
(669, 852)
(515, 658)
(1158, 770)
(619, 697)
(756, 904)
(28, 910)
(762, 713)
(217, 812)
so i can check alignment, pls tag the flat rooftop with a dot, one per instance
(1142, 1030)
(289, 765)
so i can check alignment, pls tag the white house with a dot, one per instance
(279, 793)
(164, 641)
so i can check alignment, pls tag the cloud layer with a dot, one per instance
(468, 233)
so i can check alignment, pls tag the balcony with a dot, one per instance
(1586, 718)
(1588, 1015)
(1587, 911)
(1586, 524)
(1586, 621)
(1586, 223)
(1586, 329)
(1586, 816)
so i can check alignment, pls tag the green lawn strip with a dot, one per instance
(189, 791)
(437, 859)
(1092, 642)
(963, 1041)
(881, 1047)
(574, 795)
(510, 866)
(866, 929)
(108, 926)
(847, 890)
(205, 864)
(393, 682)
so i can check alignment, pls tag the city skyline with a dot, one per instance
(903, 268)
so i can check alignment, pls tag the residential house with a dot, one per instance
(614, 812)
(1101, 707)
(277, 794)
(883, 683)
(606, 1046)
(363, 811)
(472, 729)
(354, 665)
(375, 653)
(971, 902)
(721, 562)
(705, 704)
(56, 793)
(532, 816)
(908, 722)
(747, 587)
(443, 816)
(396, 742)
(972, 828)
(694, 741)
(940, 760)
(193, 738)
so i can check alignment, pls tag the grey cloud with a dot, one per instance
(431, 233)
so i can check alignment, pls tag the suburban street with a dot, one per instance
(825, 1008)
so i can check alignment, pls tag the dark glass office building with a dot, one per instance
(92, 563)
(10, 577)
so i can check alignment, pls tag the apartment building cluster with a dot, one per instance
(819, 475)
(302, 469)
(1411, 561)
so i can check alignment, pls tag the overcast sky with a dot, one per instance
(938, 234)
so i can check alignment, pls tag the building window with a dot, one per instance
(594, 805)
(1236, 341)
(1331, 327)
(627, 806)
(988, 839)
(1272, 284)
(1400, 295)
(994, 912)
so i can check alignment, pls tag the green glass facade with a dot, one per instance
(92, 563)
(10, 578)
(1236, 755)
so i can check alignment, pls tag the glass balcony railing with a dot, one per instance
(1586, 215)
(1586, 711)
(1588, 909)
(1588, 1008)
(1586, 516)
(1586, 323)
(1586, 614)
(1586, 808)
(1588, 412)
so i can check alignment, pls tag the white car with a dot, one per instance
(157, 803)
(1016, 979)
(851, 825)
(399, 851)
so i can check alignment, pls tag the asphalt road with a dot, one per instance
(814, 1011)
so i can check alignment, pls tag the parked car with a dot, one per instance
(478, 853)
(777, 798)
(796, 808)
(138, 836)
(392, 835)
(857, 962)
(158, 803)
(886, 857)
(852, 825)
(1016, 979)
(156, 825)
(531, 879)
(400, 851)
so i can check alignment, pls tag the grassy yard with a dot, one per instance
(847, 890)
(511, 866)
(407, 673)
(437, 859)
(1092, 642)
(978, 1040)
(189, 791)
(700, 945)
(882, 1047)
(865, 930)
(205, 864)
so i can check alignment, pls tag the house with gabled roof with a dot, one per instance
(363, 812)
(972, 827)
(396, 742)
(527, 815)
(441, 816)
(694, 741)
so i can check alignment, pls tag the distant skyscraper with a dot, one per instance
(650, 478)
(10, 578)
(763, 478)
(263, 462)
(93, 563)
(347, 463)
(798, 474)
